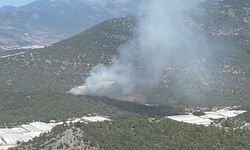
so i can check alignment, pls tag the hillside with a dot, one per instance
(229, 19)
(66, 64)
(45, 21)
(141, 134)
(19, 108)
(225, 78)
(34, 87)
(224, 81)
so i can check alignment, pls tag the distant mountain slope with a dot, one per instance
(45, 21)
(67, 63)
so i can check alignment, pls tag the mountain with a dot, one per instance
(66, 64)
(63, 65)
(34, 86)
(48, 21)
(39, 79)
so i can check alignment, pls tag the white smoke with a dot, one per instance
(165, 36)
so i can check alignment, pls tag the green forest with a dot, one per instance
(151, 134)
(20, 108)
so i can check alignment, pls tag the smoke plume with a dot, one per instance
(166, 35)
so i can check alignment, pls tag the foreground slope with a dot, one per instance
(141, 134)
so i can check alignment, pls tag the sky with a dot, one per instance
(14, 2)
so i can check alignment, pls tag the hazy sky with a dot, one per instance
(14, 2)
